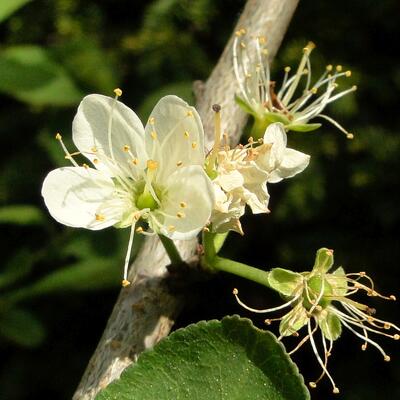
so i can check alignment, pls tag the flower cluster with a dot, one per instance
(243, 172)
(154, 174)
(267, 104)
(321, 299)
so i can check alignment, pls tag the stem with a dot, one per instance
(239, 269)
(171, 250)
(258, 129)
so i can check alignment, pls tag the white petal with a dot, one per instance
(74, 195)
(174, 131)
(91, 127)
(186, 203)
(275, 135)
(293, 163)
(231, 180)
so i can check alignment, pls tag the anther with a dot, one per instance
(171, 228)
(189, 113)
(93, 149)
(100, 217)
(314, 90)
(118, 92)
(58, 136)
(186, 134)
(194, 145)
(386, 325)
(85, 166)
(392, 297)
(262, 39)
(329, 252)
(139, 229)
(329, 67)
(182, 204)
(95, 161)
(349, 136)
(135, 161)
(396, 336)
(152, 165)
(287, 69)
(242, 45)
(205, 229)
(364, 347)
(152, 120)
(386, 358)
(312, 385)
(153, 135)
(235, 292)
(126, 148)
(125, 283)
(348, 74)
(267, 321)
(339, 68)
(335, 390)
(180, 214)
(179, 163)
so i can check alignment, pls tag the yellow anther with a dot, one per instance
(125, 283)
(242, 45)
(194, 145)
(179, 163)
(186, 134)
(95, 161)
(136, 216)
(335, 390)
(182, 204)
(205, 229)
(139, 229)
(386, 358)
(339, 68)
(238, 33)
(348, 73)
(243, 31)
(262, 39)
(118, 92)
(386, 325)
(189, 113)
(264, 52)
(287, 69)
(312, 385)
(364, 347)
(126, 148)
(135, 161)
(329, 252)
(180, 214)
(309, 48)
(392, 297)
(171, 228)
(93, 149)
(58, 136)
(329, 67)
(349, 136)
(314, 90)
(152, 120)
(100, 217)
(85, 166)
(267, 321)
(153, 135)
(396, 336)
(354, 87)
(152, 165)
(235, 291)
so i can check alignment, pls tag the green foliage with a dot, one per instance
(228, 359)
(21, 215)
(8, 7)
(30, 74)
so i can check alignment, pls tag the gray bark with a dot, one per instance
(145, 311)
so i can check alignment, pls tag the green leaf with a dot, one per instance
(244, 106)
(21, 215)
(330, 326)
(16, 268)
(228, 359)
(9, 7)
(302, 127)
(22, 328)
(29, 74)
(323, 260)
(284, 281)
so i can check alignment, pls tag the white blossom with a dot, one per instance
(154, 173)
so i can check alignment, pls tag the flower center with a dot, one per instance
(317, 293)
(146, 200)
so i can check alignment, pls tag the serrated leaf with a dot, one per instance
(302, 127)
(21, 327)
(323, 260)
(21, 215)
(9, 7)
(29, 73)
(284, 281)
(228, 359)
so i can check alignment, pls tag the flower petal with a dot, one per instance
(74, 195)
(276, 136)
(174, 136)
(293, 163)
(90, 133)
(186, 204)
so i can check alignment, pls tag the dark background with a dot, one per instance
(58, 285)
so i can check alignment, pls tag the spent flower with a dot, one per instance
(322, 299)
(154, 174)
(260, 97)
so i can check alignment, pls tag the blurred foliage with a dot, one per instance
(53, 52)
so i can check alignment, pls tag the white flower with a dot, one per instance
(154, 173)
(243, 172)
(259, 97)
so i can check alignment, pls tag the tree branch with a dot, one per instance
(145, 311)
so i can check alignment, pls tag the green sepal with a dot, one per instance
(323, 260)
(330, 325)
(302, 127)
(338, 282)
(293, 321)
(275, 117)
(245, 106)
(284, 281)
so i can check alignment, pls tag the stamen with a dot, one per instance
(100, 217)
(182, 204)
(125, 281)
(68, 155)
(180, 214)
